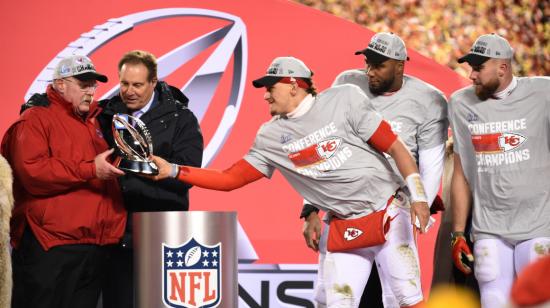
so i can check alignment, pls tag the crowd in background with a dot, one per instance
(444, 30)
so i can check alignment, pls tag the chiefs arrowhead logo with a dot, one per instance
(352, 233)
(510, 141)
(327, 148)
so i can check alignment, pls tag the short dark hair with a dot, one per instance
(311, 87)
(140, 57)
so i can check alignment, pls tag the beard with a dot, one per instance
(484, 92)
(380, 86)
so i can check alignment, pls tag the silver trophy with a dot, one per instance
(134, 145)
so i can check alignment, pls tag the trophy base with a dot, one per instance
(138, 167)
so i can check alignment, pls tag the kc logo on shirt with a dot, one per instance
(499, 142)
(316, 153)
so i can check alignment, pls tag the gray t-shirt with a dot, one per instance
(417, 112)
(504, 148)
(324, 155)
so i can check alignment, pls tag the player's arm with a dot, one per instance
(386, 141)
(460, 196)
(460, 206)
(432, 134)
(238, 175)
(407, 167)
(430, 165)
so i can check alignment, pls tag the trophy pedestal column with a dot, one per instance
(185, 259)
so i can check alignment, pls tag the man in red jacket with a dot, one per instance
(67, 202)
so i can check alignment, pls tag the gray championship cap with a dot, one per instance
(283, 67)
(79, 67)
(488, 46)
(384, 46)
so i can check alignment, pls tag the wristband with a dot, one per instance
(174, 171)
(308, 209)
(416, 188)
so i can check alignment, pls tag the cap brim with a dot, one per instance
(372, 56)
(266, 81)
(473, 59)
(91, 76)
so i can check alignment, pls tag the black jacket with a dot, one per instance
(176, 137)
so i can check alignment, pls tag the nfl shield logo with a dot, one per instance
(192, 275)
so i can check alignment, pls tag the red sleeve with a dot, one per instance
(383, 137)
(238, 175)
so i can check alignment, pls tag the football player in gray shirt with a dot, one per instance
(417, 113)
(330, 148)
(501, 128)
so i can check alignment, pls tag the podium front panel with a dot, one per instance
(185, 259)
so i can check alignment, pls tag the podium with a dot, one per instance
(185, 259)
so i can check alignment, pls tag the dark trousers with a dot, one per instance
(65, 276)
(118, 285)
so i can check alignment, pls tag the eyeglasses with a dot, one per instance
(84, 87)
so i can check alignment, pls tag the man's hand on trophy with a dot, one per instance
(103, 169)
(166, 169)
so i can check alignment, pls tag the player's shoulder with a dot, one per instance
(264, 128)
(352, 75)
(341, 97)
(427, 97)
(463, 95)
(421, 87)
(343, 89)
(535, 82)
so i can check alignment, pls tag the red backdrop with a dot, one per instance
(36, 31)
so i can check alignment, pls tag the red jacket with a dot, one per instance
(52, 151)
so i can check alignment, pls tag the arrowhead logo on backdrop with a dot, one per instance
(191, 275)
(201, 87)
